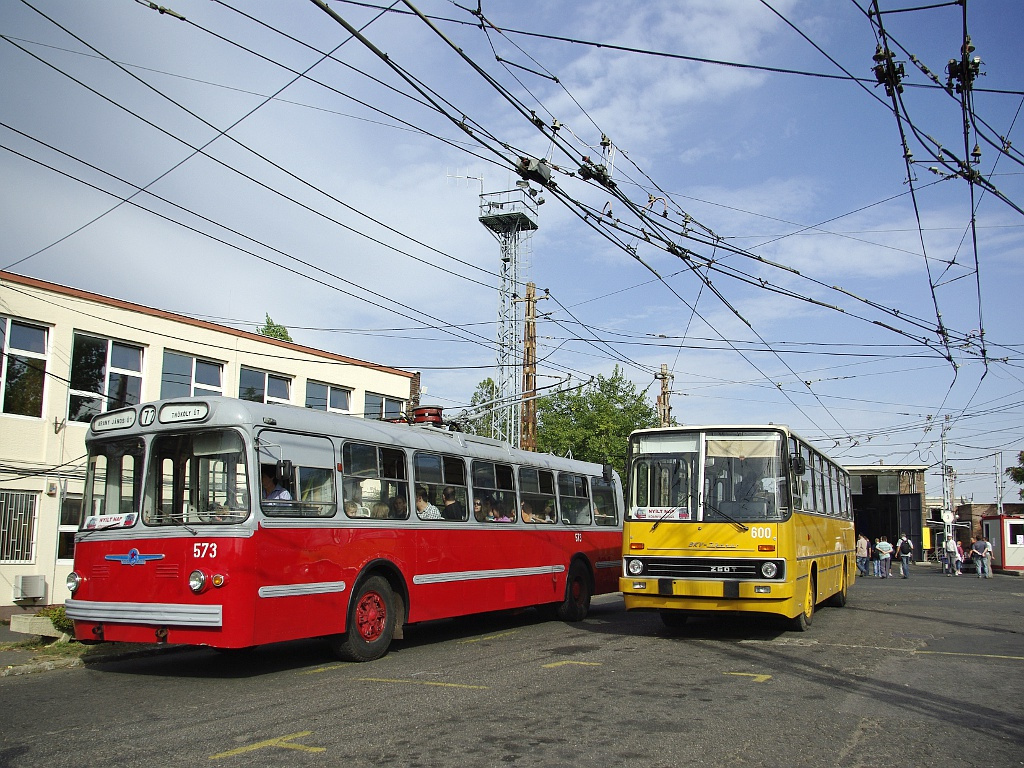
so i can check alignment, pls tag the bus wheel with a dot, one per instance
(577, 595)
(673, 619)
(371, 622)
(838, 600)
(803, 620)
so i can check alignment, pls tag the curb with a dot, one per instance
(84, 661)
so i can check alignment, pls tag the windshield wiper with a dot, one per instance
(732, 520)
(91, 531)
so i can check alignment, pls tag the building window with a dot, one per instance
(23, 367)
(381, 407)
(70, 520)
(105, 375)
(260, 387)
(187, 376)
(326, 397)
(17, 526)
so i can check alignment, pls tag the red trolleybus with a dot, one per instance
(231, 524)
(749, 519)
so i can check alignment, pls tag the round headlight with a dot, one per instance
(769, 570)
(197, 581)
(74, 581)
(635, 567)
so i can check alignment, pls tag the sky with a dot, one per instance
(763, 232)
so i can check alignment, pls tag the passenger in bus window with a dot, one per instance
(424, 508)
(399, 507)
(527, 510)
(380, 511)
(453, 508)
(480, 509)
(272, 490)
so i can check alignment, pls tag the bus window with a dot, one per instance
(605, 511)
(494, 485)
(113, 483)
(442, 481)
(574, 499)
(374, 476)
(197, 478)
(537, 491)
(744, 477)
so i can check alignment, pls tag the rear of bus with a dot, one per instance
(710, 525)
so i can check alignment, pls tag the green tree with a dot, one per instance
(1017, 473)
(593, 423)
(273, 330)
(482, 423)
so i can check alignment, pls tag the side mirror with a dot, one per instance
(607, 472)
(798, 465)
(285, 472)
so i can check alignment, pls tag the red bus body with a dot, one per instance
(272, 578)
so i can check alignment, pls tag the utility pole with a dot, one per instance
(664, 409)
(528, 434)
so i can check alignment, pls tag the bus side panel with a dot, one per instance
(325, 561)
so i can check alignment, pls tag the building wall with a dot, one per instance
(42, 457)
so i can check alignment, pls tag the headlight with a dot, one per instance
(197, 581)
(769, 570)
(635, 567)
(74, 581)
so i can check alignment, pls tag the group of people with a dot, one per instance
(879, 556)
(980, 553)
(875, 558)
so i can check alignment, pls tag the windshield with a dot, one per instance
(113, 482)
(196, 478)
(744, 477)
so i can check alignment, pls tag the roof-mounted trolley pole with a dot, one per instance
(511, 216)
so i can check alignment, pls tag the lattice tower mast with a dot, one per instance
(511, 216)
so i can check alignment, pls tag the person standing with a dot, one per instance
(959, 558)
(862, 554)
(949, 548)
(988, 558)
(905, 549)
(876, 566)
(980, 548)
(884, 549)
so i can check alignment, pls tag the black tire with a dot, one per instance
(805, 618)
(577, 594)
(371, 622)
(838, 600)
(673, 619)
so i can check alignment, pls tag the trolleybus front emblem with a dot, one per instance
(133, 558)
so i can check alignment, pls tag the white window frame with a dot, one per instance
(6, 350)
(331, 389)
(267, 376)
(196, 389)
(108, 370)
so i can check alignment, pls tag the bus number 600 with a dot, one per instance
(757, 532)
(204, 549)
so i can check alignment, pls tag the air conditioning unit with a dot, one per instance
(29, 587)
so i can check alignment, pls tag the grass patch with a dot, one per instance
(46, 648)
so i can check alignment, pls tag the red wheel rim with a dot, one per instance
(576, 590)
(371, 616)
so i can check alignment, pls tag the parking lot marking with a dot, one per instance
(487, 637)
(285, 742)
(757, 678)
(318, 670)
(577, 663)
(975, 655)
(911, 650)
(421, 682)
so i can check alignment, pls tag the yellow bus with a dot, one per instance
(748, 519)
